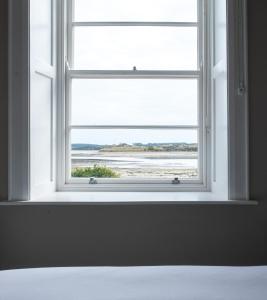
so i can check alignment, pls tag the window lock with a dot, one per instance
(92, 180)
(176, 181)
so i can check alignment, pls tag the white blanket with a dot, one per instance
(135, 283)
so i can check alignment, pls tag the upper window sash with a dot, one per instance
(111, 38)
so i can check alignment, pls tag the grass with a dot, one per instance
(95, 171)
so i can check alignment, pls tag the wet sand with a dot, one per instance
(140, 164)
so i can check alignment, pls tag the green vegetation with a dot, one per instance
(95, 171)
(180, 147)
(122, 149)
(152, 149)
(139, 147)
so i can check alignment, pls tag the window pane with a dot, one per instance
(136, 10)
(134, 101)
(131, 153)
(146, 48)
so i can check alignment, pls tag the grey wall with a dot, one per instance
(143, 235)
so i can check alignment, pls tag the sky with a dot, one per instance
(131, 136)
(134, 101)
(139, 101)
(136, 10)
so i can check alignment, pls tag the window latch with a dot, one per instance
(241, 89)
(92, 180)
(67, 65)
(176, 181)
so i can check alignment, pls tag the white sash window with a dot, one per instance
(136, 95)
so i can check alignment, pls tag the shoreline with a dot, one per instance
(140, 164)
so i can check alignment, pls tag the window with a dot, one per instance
(126, 95)
(135, 105)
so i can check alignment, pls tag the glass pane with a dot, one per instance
(131, 153)
(136, 10)
(146, 48)
(134, 101)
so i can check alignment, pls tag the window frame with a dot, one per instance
(202, 183)
(19, 183)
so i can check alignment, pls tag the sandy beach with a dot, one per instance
(140, 164)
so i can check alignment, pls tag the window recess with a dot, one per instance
(138, 88)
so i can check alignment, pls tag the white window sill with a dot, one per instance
(190, 198)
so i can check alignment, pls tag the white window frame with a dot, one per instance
(203, 126)
(19, 107)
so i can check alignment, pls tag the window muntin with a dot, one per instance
(103, 67)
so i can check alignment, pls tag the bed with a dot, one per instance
(135, 283)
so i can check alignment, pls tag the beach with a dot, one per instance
(154, 164)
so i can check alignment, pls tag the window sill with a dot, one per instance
(113, 198)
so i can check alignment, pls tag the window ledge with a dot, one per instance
(110, 198)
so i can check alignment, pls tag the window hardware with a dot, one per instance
(92, 180)
(241, 89)
(67, 65)
(176, 181)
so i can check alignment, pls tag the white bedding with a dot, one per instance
(135, 283)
